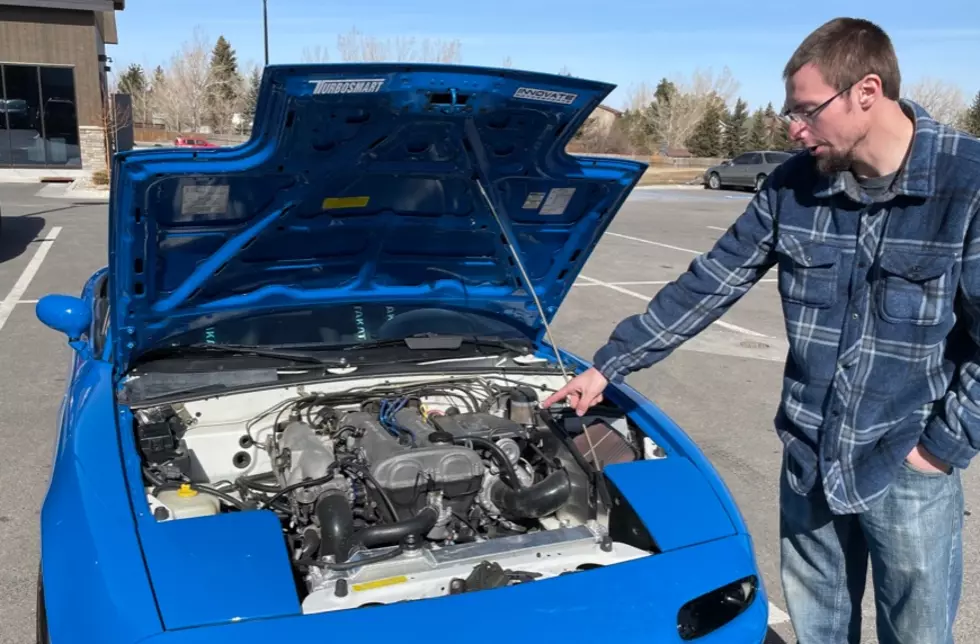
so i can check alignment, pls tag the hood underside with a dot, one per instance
(374, 183)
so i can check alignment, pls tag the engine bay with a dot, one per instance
(410, 488)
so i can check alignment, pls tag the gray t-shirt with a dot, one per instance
(877, 187)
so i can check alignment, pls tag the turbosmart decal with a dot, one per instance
(546, 95)
(347, 86)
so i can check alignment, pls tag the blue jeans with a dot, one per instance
(912, 535)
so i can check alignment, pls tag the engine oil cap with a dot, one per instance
(441, 438)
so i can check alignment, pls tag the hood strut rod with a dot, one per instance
(477, 156)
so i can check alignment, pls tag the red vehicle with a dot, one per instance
(189, 142)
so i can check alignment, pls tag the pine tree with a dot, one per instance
(657, 114)
(133, 81)
(252, 96)
(224, 83)
(971, 120)
(777, 132)
(158, 77)
(736, 130)
(666, 90)
(758, 137)
(706, 139)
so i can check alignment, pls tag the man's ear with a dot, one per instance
(868, 91)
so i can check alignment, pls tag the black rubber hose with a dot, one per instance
(506, 466)
(536, 501)
(389, 533)
(336, 525)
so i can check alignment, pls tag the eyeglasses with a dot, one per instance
(809, 116)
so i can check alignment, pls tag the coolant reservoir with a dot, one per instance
(186, 502)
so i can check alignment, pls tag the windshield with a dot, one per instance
(345, 324)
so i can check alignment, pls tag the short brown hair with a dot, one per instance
(845, 50)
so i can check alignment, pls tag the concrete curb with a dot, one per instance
(671, 186)
(56, 191)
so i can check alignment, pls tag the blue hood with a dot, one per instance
(365, 183)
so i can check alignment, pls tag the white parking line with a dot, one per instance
(647, 283)
(13, 297)
(645, 298)
(724, 230)
(653, 243)
(777, 616)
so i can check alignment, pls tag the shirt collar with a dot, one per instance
(916, 178)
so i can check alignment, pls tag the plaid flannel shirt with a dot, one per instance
(881, 300)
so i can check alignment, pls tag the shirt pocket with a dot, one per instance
(915, 287)
(809, 271)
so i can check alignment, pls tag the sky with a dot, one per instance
(626, 42)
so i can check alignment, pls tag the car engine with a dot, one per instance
(444, 487)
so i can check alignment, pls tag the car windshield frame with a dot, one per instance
(350, 324)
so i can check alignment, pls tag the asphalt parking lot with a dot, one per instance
(721, 387)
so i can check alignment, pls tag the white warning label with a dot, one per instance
(557, 201)
(348, 86)
(204, 200)
(546, 95)
(533, 201)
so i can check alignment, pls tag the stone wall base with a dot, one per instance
(92, 142)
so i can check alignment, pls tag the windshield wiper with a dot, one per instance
(244, 350)
(450, 342)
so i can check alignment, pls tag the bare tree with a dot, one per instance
(356, 47)
(187, 80)
(944, 101)
(669, 116)
(315, 54)
(691, 101)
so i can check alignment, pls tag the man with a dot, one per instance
(875, 233)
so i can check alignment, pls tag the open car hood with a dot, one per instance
(365, 183)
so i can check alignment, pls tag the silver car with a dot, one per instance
(747, 170)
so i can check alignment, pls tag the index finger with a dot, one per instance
(558, 395)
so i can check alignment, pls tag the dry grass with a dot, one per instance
(670, 175)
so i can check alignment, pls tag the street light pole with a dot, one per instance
(265, 29)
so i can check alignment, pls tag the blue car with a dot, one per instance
(304, 399)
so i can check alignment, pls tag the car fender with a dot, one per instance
(668, 434)
(92, 569)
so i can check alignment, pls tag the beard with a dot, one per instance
(834, 161)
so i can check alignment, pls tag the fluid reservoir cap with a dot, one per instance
(186, 491)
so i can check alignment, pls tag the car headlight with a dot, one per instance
(714, 609)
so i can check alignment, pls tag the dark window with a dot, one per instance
(60, 116)
(40, 125)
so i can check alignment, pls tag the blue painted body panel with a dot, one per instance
(383, 195)
(113, 574)
(630, 602)
(204, 571)
(95, 582)
(652, 486)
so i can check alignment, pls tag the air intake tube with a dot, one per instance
(389, 533)
(534, 502)
(336, 525)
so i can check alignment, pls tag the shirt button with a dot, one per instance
(855, 315)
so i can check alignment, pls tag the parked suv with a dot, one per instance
(747, 170)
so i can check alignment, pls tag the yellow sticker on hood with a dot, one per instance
(335, 203)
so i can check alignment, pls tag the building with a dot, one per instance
(603, 118)
(53, 83)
